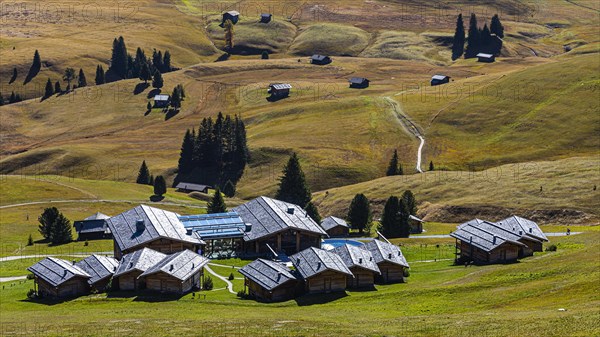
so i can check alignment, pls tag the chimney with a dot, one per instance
(389, 255)
(319, 265)
(171, 268)
(371, 258)
(248, 227)
(298, 261)
(520, 232)
(494, 239)
(290, 210)
(360, 260)
(530, 230)
(139, 225)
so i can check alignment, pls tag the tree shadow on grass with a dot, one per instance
(156, 198)
(154, 297)
(276, 98)
(153, 93)
(311, 299)
(140, 87)
(171, 113)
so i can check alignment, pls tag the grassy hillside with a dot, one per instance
(330, 39)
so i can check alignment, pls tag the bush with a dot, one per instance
(31, 294)
(406, 273)
(241, 294)
(30, 276)
(231, 277)
(551, 248)
(208, 283)
(86, 243)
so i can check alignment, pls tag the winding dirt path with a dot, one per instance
(222, 278)
(409, 127)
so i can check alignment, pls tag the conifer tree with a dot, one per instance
(145, 73)
(359, 213)
(57, 88)
(151, 182)
(431, 168)
(157, 80)
(99, 79)
(410, 202)
(81, 81)
(292, 185)
(14, 76)
(49, 90)
(143, 174)
(186, 155)
(486, 39)
(265, 55)
(393, 166)
(12, 98)
(496, 26)
(167, 62)
(61, 232)
(47, 220)
(229, 189)
(400, 169)
(404, 214)
(458, 44)
(176, 98)
(313, 212)
(69, 76)
(390, 220)
(216, 203)
(473, 40)
(119, 60)
(1, 99)
(157, 60)
(160, 186)
(36, 65)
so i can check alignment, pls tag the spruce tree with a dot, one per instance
(410, 202)
(36, 65)
(81, 81)
(100, 79)
(400, 169)
(216, 203)
(61, 231)
(160, 186)
(404, 225)
(69, 76)
(151, 181)
(292, 185)
(12, 98)
(167, 62)
(486, 39)
(473, 40)
(458, 44)
(47, 220)
(1, 99)
(359, 213)
(431, 166)
(265, 55)
(145, 73)
(186, 155)
(119, 59)
(175, 99)
(57, 88)
(49, 90)
(157, 60)
(393, 166)
(157, 80)
(390, 226)
(313, 212)
(496, 26)
(229, 189)
(143, 174)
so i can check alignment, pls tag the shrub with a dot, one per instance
(86, 243)
(30, 240)
(30, 276)
(241, 294)
(551, 248)
(231, 277)
(208, 283)
(31, 294)
(406, 273)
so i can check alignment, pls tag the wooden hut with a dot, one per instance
(233, 16)
(389, 260)
(439, 79)
(485, 242)
(133, 265)
(269, 281)
(279, 90)
(94, 227)
(322, 271)
(285, 227)
(320, 59)
(161, 101)
(190, 187)
(59, 278)
(100, 268)
(359, 82)
(487, 58)
(361, 263)
(177, 273)
(150, 227)
(335, 227)
(530, 234)
(266, 17)
(416, 224)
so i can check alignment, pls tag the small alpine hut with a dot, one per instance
(320, 59)
(335, 227)
(150, 227)
(279, 90)
(100, 268)
(59, 278)
(189, 187)
(416, 224)
(269, 281)
(358, 82)
(177, 273)
(529, 231)
(266, 17)
(487, 58)
(133, 265)
(484, 242)
(94, 227)
(233, 16)
(361, 264)
(439, 79)
(389, 260)
(161, 101)
(323, 271)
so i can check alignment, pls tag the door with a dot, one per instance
(327, 285)
(163, 286)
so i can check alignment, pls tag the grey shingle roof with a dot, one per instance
(181, 265)
(98, 267)
(331, 221)
(91, 226)
(157, 223)
(523, 227)
(484, 55)
(383, 251)
(97, 216)
(268, 274)
(485, 235)
(313, 261)
(319, 57)
(354, 256)
(269, 216)
(358, 80)
(280, 86)
(192, 187)
(439, 77)
(140, 260)
(56, 271)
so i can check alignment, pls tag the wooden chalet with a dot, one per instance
(161, 101)
(270, 281)
(94, 227)
(100, 268)
(389, 260)
(233, 16)
(416, 224)
(150, 227)
(266, 17)
(530, 234)
(190, 187)
(322, 271)
(359, 82)
(59, 278)
(177, 273)
(320, 59)
(335, 227)
(439, 79)
(279, 90)
(362, 265)
(133, 265)
(484, 242)
(487, 58)
(285, 227)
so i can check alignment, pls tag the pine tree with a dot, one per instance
(458, 44)
(176, 98)
(390, 224)
(393, 166)
(229, 189)
(431, 166)
(359, 213)
(404, 225)
(157, 60)
(151, 181)
(57, 88)
(410, 202)
(1, 99)
(82, 82)
(228, 25)
(143, 174)
(49, 90)
(100, 79)
(473, 40)
(313, 212)
(400, 169)
(167, 62)
(157, 80)
(265, 55)
(496, 26)
(36, 65)
(69, 76)
(145, 73)
(61, 231)
(160, 186)
(12, 98)
(486, 39)
(216, 203)
(292, 185)
(186, 155)
(47, 220)
(119, 60)
(138, 63)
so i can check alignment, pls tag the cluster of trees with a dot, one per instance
(13, 98)
(395, 219)
(294, 189)
(479, 40)
(177, 96)
(126, 66)
(395, 167)
(54, 226)
(216, 156)
(68, 76)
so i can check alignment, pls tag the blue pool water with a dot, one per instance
(329, 244)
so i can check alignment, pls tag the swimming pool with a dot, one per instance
(329, 244)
